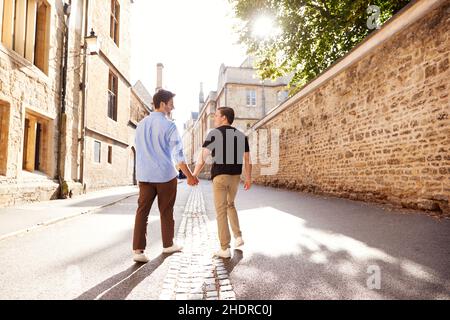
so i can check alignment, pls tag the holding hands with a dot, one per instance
(192, 180)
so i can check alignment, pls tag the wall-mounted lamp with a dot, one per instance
(92, 45)
(67, 9)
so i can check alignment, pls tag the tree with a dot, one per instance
(313, 33)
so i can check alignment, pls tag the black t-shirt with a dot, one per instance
(227, 145)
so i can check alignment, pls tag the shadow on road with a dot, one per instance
(106, 199)
(230, 264)
(119, 286)
(325, 248)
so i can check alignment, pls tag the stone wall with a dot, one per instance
(379, 130)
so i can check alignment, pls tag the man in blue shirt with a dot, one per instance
(158, 144)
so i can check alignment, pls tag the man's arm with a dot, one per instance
(247, 171)
(191, 180)
(176, 147)
(201, 161)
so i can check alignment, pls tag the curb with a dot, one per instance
(67, 217)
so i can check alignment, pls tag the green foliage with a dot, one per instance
(314, 33)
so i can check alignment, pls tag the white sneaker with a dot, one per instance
(238, 242)
(140, 257)
(223, 254)
(174, 248)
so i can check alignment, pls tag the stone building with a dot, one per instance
(64, 112)
(239, 88)
(249, 96)
(188, 137)
(107, 149)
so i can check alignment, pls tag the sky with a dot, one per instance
(192, 39)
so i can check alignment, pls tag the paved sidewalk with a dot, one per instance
(24, 218)
(194, 274)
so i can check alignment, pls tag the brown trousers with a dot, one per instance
(167, 193)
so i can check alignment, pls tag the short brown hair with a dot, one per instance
(162, 96)
(228, 113)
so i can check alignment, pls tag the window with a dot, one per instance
(110, 154)
(112, 96)
(25, 29)
(97, 151)
(41, 36)
(251, 97)
(282, 95)
(115, 20)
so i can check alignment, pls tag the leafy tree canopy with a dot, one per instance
(312, 34)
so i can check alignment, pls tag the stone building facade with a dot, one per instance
(375, 126)
(61, 110)
(107, 147)
(30, 84)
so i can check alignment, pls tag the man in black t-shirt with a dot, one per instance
(229, 150)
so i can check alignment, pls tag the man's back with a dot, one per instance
(227, 145)
(157, 142)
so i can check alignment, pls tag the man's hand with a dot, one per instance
(192, 181)
(247, 184)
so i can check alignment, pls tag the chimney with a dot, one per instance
(159, 74)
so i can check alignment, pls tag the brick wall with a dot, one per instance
(379, 130)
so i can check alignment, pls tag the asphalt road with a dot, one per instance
(304, 246)
(87, 257)
(298, 246)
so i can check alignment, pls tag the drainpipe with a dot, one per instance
(63, 188)
(83, 99)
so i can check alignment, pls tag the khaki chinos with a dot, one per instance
(225, 188)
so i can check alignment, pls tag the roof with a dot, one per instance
(141, 91)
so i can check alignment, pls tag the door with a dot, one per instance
(37, 148)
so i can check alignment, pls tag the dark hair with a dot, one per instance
(228, 113)
(162, 96)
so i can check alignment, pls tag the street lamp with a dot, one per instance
(91, 44)
(91, 47)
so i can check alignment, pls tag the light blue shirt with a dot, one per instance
(158, 144)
